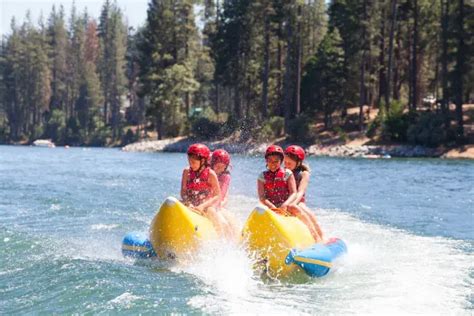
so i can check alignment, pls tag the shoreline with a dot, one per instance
(180, 144)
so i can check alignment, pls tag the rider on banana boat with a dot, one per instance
(294, 158)
(200, 187)
(220, 163)
(276, 185)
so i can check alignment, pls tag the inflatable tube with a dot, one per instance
(318, 259)
(270, 236)
(176, 231)
(137, 245)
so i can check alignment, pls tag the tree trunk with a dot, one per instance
(217, 99)
(444, 62)
(393, 22)
(382, 79)
(414, 75)
(266, 67)
(187, 102)
(287, 84)
(279, 80)
(362, 87)
(159, 126)
(397, 80)
(298, 65)
(459, 73)
(237, 102)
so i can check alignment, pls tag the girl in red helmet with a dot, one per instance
(200, 186)
(276, 185)
(220, 161)
(294, 157)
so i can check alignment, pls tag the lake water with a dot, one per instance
(408, 224)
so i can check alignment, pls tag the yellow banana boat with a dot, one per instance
(270, 237)
(176, 231)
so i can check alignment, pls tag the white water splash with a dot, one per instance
(386, 271)
(6, 272)
(107, 227)
(55, 207)
(124, 300)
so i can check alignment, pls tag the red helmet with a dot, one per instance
(296, 151)
(220, 155)
(200, 150)
(274, 150)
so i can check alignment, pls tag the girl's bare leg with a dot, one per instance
(233, 227)
(217, 220)
(301, 214)
(312, 218)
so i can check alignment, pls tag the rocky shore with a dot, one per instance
(180, 144)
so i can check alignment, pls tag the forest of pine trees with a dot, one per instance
(260, 68)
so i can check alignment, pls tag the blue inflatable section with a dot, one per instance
(318, 259)
(137, 245)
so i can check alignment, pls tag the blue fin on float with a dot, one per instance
(318, 259)
(137, 245)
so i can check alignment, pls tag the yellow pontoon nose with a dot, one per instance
(176, 231)
(270, 237)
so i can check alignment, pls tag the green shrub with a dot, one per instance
(342, 134)
(205, 128)
(277, 124)
(428, 130)
(265, 134)
(129, 137)
(55, 126)
(395, 123)
(273, 128)
(230, 126)
(101, 136)
(38, 131)
(3, 135)
(73, 133)
(248, 128)
(299, 129)
(209, 113)
(374, 125)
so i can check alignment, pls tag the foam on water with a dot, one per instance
(395, 271)
(107, 227)
(124, 299)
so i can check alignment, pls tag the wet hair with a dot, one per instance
(303, 167)
(300, 165)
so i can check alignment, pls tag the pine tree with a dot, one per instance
(460, 71)
(58, 55)
(170, 39)
(90, 94)
(112, 64)
(324, 80)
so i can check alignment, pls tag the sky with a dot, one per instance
(134, 10)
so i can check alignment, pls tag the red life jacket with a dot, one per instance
(298, 176)
(198, 188)
(276, 186)
(224, 181)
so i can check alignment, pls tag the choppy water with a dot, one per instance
(408, 224)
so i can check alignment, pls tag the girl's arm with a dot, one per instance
(292, 190)
(261, 195)
(216, 192)
(225, 190)
(302, 187)
(184, 180)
